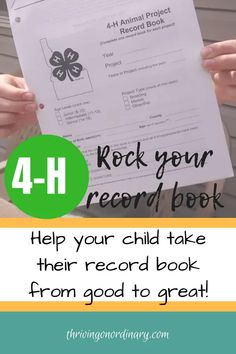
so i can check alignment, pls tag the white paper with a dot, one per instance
(138, 78)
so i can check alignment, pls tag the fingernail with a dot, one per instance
(207, 52)
(28, 96)
(31, 107)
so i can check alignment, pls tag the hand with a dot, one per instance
(17, 105)
(220, 60)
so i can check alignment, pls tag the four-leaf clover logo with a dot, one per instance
(66, 65)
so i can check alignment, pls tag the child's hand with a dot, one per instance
(220, 60)
(17, 105)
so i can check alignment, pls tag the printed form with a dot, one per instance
(121, 72)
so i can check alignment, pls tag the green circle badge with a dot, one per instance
(46, 177)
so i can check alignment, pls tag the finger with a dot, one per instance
(8, 119)
(18, 119)
(226, 93)
(221, 63)
(19, 82)
(16, 94)
(220, 48)
(7, 130)
(225, 78)
(16, 106)
(21, 121)
(26, 119)
(13, 80)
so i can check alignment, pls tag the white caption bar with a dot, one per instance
(159, 265)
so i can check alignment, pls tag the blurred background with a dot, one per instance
(217, 20)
